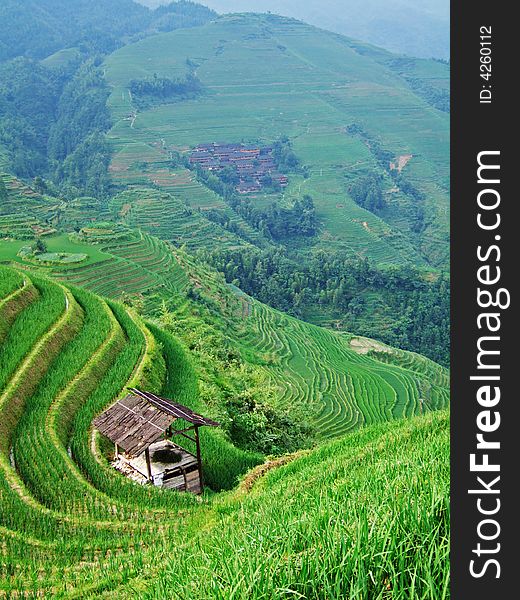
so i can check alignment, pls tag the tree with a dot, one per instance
(367, 192)
(40, 246)
(3, 191)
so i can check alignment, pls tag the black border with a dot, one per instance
(476, 127)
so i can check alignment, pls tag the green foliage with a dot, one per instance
(85, 170)
(284, 156)
(280, 223)
(40, 245)
(29, 28)
(81, 111)
(49, 119)
(364, 517)
(438, 97)
(4, 194)
(246, 398)
(367, 192)
(157, 90)
(239, 345)
(71, 523)
(181, 14)
(223, 462)
(29, 95)
(416, 311)
(257, 425)
(52, 119)
(64, 509)
(258, 101)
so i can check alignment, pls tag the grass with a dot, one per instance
(71, 526)
(364, 517)
(10, 282)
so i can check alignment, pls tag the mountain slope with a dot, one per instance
(337, 380)
(72, 525)
(419, 28)
(38, 29)
(347, 108)
(366, 516)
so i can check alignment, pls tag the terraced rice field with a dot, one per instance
(23, 213)
(340, 386)
(165, 215)
(341, 383)
(135, 264)
(172, 218)
(68, 521)
(73, 527)
(265, 77)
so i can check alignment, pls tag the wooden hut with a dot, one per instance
(140, 425)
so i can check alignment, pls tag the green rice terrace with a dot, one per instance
(338, 380)
(347, 108)
(73, 527)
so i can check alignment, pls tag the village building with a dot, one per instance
(254, 165)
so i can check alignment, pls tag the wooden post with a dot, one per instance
(116, 451)
(199, 460)
(148, 463)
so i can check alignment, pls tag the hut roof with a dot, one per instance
(139, 419)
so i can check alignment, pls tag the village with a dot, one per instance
(255, 167)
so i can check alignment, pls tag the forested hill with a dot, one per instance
(52, 93)
(37, 29)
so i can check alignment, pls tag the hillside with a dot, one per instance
(73, 527)
(357, 240)
(339, 381)
(419, 28)
(349, 111)
(247, 215)
(38, 29)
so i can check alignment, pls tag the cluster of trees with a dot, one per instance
(85, 170)
(437, 97)
(156, 90)
(280, 223)
(53, 123)
(367, 192)
(275, 222)
(181, 14)
(37, 29)
(29, 95)
(77, 146)
(257, 425)
(4, 194)
(81, 111)
(284, 157)
(415, 310)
